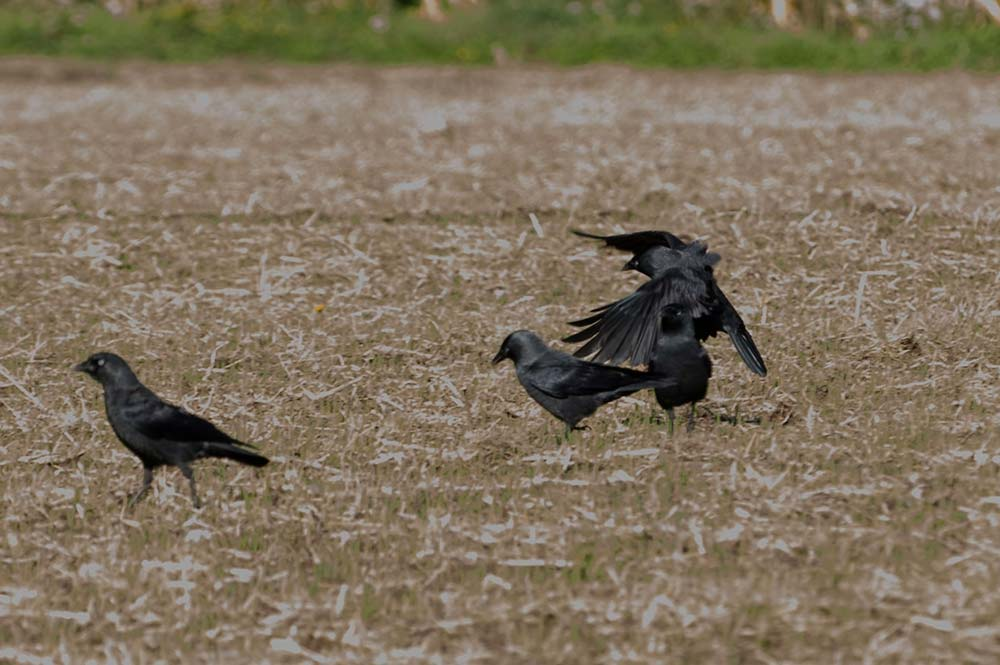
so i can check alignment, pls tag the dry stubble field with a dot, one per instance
(419, 507)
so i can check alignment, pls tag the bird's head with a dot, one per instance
(652, 261)
(104, 367)
(517, 345)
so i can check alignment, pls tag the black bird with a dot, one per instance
(569, 388)
(680, 355)
(159, 433)
(680, 273)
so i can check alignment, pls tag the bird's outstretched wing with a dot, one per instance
(637, 242)
(162, 421)
(626, 330)
(570, 377)
(731, 322)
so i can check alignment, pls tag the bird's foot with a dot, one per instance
(147, 481)
(691, 416)
(189, 474)
(195, 501)
(134, 498)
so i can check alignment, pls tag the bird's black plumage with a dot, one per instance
(567, 387)
(159, 433)
(680, 273)
(678, 354)
(637, 242)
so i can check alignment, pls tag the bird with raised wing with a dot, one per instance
(680, 273)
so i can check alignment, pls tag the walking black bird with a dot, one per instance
(679, 355)
(159, 433)
(569, 388)
(680, 273)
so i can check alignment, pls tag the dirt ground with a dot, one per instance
(324, 259)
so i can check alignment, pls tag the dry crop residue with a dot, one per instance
(323, 261)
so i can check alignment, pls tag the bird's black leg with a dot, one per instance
(670, 420)
(147, 480)
(568, 432)
(691, 419)
(566, 435)
(189, 474)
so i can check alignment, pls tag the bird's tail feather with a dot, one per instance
(653, 382)
(584, 234)
(236, 453)
(748, 350)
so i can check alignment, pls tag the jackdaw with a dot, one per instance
(679, 354)
(680, 273)
(569, 388)
(159, 433)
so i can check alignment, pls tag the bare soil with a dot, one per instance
(324, 259)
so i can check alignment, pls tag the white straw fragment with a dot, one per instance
(20, 387)
(535, 224)
(263, 285)
(859, 298)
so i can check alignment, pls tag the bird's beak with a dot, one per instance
(499, 356)
(628, 266)
(82, 367)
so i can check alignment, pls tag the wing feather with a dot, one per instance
(732, 324)
(637, 242)
(160, 420)
(626, 330)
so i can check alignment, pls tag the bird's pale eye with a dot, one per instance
(100, 362)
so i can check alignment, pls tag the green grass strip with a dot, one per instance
(544, 32)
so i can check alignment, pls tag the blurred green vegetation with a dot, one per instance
(735, 34)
